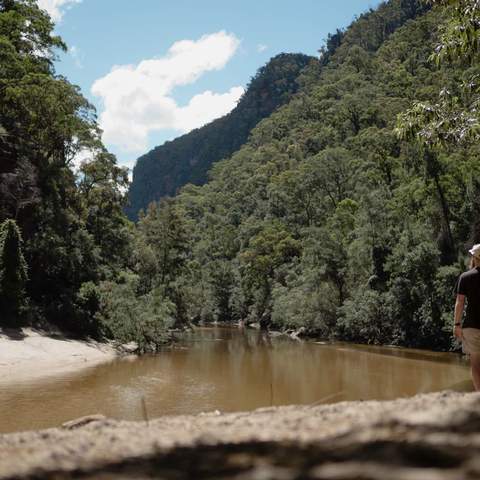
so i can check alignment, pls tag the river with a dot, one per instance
(228, 369)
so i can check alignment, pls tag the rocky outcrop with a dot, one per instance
(433, 436)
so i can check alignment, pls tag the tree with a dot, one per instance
(268, 250)
(13, 273)
(72, 222)
(162, 254)
(102, 187)
(164, 231)
(454, 118)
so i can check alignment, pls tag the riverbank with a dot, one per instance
(431, 436)
(28, 354)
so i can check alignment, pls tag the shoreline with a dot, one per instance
(28, 354)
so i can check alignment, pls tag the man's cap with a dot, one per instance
(475, 250)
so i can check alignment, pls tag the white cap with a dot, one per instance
(475, 250)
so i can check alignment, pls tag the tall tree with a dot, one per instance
(71, 221)
(13, 273)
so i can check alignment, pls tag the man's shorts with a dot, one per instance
(471, 340)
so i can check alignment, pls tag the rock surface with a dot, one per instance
(432, 436)
(129, 348)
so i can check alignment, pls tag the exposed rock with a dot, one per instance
(433, 436)
(129, 348)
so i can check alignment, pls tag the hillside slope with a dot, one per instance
(188, 158)
(325, 219)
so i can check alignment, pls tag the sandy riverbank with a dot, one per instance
(28, 354)
(428, 437)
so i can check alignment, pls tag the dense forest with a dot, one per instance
(187, 159)
(329, 218)
(63, 232)
(346, 213)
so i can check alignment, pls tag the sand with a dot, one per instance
(29, 354)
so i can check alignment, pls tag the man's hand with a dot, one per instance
(459, 304)
(457, 331)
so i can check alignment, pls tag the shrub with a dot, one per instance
(124, 316)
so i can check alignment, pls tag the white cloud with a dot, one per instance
(261, 47)
(137, 99)
(86, 155)
(56, 8)
(76, 56)
(205, 107)
(82, 156)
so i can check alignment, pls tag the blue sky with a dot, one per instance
(179, 64)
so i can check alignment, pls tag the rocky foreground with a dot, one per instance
(432, 436)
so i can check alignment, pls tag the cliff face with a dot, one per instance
(188, 158)
(432, 436)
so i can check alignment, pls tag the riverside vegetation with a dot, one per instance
(346, 212)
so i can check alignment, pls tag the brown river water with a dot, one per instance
(229, 369)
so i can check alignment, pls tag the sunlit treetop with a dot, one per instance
(454, 118)
(460, 34)
(30, 30)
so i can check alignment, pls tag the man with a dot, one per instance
(469, 333)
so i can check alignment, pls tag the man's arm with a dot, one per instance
(459, 305)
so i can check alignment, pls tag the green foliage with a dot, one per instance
(164, 231)
(302, 300)
(101, 186)
(126, 316)
(460, 35)
(325, 219)
(222, 282)
(87, 305)
(271, 248)
(75, 234)
(13, 273)
(365, 319)
(453, 118)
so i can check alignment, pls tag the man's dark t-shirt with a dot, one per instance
(469, 285)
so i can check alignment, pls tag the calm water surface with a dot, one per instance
(229, 370)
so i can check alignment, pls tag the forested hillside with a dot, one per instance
(325, 219)
(347, 211)
(187, 159)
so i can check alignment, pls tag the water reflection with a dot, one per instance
(228, 370)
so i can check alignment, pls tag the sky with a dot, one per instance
(156, 69)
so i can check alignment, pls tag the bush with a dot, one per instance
(416, 311)
(365, 319)
(86, 307)
(126, 317)
(304, 306)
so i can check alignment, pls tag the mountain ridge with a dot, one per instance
(187, 159)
